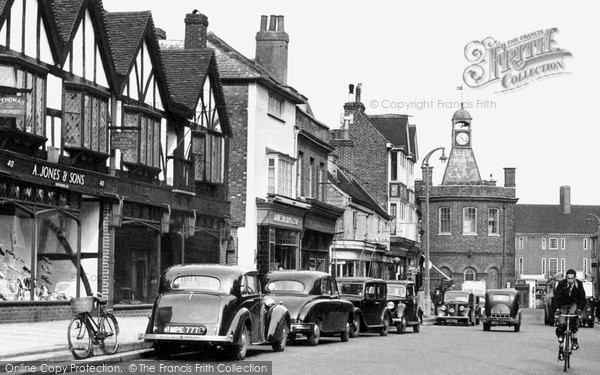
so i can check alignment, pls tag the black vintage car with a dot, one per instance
(458, 307)
(402, 303)
(369, 296)
(314, 304)
(208, 305)
(502, 308)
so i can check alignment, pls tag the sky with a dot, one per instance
(410, 57)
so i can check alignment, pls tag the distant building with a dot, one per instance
(380, 152)
(471, 220)
(553, 238)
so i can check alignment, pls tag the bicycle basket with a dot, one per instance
(82, 305)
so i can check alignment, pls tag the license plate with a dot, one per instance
(186, 330)
(499, 323)
(452, 320)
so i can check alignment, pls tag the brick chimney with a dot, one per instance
(272, 47)
(354, 103)
(565, 199)
(161, 34)
(195, 30)
(509, 177)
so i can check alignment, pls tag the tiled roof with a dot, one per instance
(393, 127)
(2, 9)
(235, 66)
(66, 12)
(356, 192)
(180, 65)
(126, 31)
(546, 218)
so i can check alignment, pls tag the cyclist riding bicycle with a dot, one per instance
(569, 298)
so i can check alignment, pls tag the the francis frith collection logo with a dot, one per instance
(514, 63)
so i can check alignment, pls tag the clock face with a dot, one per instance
(462, 138)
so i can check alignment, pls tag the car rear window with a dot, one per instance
(356, 289)
(453, 297)
(285, 286)
(397, 290)
(501, 297)
(194, 282)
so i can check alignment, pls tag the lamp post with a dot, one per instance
(595, 251)
(425, 171)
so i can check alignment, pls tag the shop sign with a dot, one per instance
(58, 175)
(285, 219)
(124, 140)
(12, 106)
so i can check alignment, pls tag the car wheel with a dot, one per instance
(486, 326)
(386, 326)
(401, 325)
(240, 350)
(591, 323)
(346, 333)
(355, 329)
(315, 335)
(416, 328)
(517, 327)
(279, 346)
(292, 338)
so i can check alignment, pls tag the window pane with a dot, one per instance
(144, 141)
(157, 144)
(493, 221)
(131, 120)
(95, 124)
(445, 220)
(102, 129)
(72, 119)
(469, 217)
(271, 176)
(198, 150)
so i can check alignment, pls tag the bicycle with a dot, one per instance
(568, 340)
(84, 331)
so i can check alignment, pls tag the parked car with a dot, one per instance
(588, 313)
(502, 308)
(208, 305)
(458, 308)
(314, 304)
(369, 296)
(402, 303)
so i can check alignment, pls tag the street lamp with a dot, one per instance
(595, 251)
(425, 171)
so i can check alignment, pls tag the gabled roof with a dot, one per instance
(394, 128)
(4, 8)
(181, 64)
(67, 13)
(233, 66)
(354, 190)
(546, 218)
(126, 31)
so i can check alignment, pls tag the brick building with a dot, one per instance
(100, 187)
(553, 238)
(380, 152)
(471, 220)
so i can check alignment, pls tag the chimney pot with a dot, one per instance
(263, 23)
(565, 199)
(509, 177)
(358, 92)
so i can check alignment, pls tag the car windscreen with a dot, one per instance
(196, 282)
(396, 290)
(285, 286)
(455, 297)
(351, 288)
(587, 286)
(500, 297)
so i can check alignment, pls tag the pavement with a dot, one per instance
(47, 341)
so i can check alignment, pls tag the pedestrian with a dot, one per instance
(420, 303)
(437, 299)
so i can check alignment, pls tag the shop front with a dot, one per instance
(279, 233)
(317, 236)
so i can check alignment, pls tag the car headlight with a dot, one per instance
(390, 305)
(451, 311)
(589, 308)
(269, 302)
(462, 308)
(443, 308)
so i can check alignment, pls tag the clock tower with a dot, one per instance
(462, 167)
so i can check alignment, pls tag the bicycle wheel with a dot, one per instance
(109, 331)
(567, 350)
(80, 338)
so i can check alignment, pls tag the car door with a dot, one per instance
(373, 302)
(325, 305)
(339, 310)
(411, 302)
(251, 299)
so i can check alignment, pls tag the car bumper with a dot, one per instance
(189, 338)
(302, 327)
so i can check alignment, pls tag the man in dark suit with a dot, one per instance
(569, 298)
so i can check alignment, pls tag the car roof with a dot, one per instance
(359, 279)
(399, 282)
(296, 274)
(216, 270)
(502, 291)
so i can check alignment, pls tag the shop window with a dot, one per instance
(22, 100)
(146, 132)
